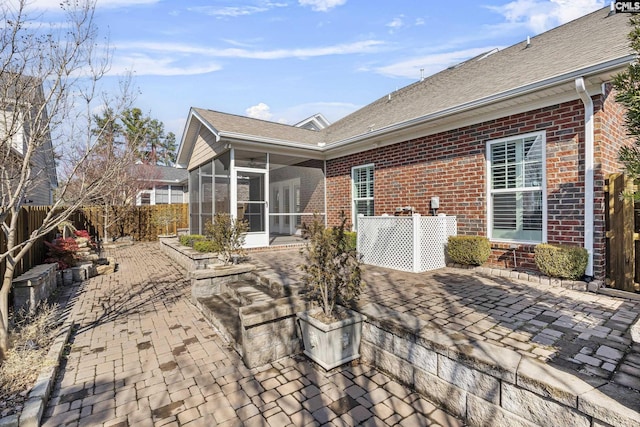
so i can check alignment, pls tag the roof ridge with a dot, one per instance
(252, 118)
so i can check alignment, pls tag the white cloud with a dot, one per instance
(396, 23)
(419, 21)
(235, 11)
(430, 63)
(56, 4)
(183, 49)
(322, 5)
(541, 15)
(141, 65)
(261, 111)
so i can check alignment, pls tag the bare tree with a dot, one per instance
(49, 89)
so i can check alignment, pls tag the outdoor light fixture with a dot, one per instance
(435, 205)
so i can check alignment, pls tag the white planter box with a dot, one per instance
(334, 344)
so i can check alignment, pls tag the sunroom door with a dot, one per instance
(253, 205)
(285, 205)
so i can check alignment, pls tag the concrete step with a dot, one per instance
(246, 292)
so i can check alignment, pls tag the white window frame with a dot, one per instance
(542, 187)
(355, 199)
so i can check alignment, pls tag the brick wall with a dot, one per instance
(451, 165)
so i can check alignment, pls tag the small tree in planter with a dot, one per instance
(332, 277)
(229, 234)
(332, 272)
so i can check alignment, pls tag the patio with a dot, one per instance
(582, 333)
(144, 354)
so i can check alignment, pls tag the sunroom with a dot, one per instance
(275, 189)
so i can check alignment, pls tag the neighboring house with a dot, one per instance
(16, 131)
(516, 144)
(167, 185)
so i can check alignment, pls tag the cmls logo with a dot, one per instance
(627, 6)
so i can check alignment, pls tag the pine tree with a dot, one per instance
(627, 85)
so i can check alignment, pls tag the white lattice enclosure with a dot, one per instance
(415, 243)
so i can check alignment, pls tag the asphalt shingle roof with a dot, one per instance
(587, 41)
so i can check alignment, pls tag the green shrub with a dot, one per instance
(563, 261)
(352, 239)
(229, 235)
(190, 239)
(469, 250)
(206, 246)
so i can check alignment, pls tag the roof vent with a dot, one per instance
(421, 74)
(528, 42)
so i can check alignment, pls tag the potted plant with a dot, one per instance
(331, 331)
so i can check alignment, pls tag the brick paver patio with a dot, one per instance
(582, 332)
(143, 355)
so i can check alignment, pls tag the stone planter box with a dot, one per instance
(34, 286)
(185, 256)
(334, 344)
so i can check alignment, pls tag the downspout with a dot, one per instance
(588, 171)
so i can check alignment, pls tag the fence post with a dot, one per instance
(417, 238)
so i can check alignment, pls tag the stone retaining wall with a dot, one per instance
(212, 281)
(486, 384)
(270, 331)
(33, 286)
(185, 256)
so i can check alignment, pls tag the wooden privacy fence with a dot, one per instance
(623, 223)
(139, 222)
(29, 219)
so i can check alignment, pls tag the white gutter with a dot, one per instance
(588, 170)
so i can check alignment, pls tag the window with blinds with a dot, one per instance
(162, 194)
(516, 188)
(362, 178)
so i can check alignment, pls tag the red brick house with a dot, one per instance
(516, 144)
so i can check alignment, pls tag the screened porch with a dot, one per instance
(274, 193)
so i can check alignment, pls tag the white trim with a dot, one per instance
(543, 187)
(353, 200)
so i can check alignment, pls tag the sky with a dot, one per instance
(285, 60)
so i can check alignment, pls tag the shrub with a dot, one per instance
(206, 246)
(563, 261)
(82, 233)
(228, 233)
(469, 250)
(63, 251)
(351, 239)
(190, 239)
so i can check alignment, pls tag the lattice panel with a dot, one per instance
(434, 231)
(386, 241)
(389, 241)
